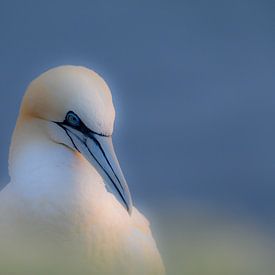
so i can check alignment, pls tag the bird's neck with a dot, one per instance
(44, 171)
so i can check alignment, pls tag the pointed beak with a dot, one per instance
(99, 151)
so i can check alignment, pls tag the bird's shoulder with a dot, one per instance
(142, 237)
(140, 222)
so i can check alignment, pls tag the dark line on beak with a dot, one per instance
(107, 176)
(68, 136)
(72, 140)
(102, 151)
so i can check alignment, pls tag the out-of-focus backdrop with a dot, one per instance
(193, 83)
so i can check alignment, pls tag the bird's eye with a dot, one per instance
(73, 119)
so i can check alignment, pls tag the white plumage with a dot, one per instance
(65, 210)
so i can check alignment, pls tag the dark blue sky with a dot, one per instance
(193, 83)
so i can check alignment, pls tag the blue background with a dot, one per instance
(193, 83)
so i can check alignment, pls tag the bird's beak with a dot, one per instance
(99, 151)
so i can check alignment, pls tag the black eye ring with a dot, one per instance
(73, 119)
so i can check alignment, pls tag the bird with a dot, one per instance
(67, 205)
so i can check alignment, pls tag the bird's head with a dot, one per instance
(77, 103)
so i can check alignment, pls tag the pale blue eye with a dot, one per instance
(73, 119)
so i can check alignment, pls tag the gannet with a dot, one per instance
(67, 197)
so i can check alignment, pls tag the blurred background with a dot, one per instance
(194, 88)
